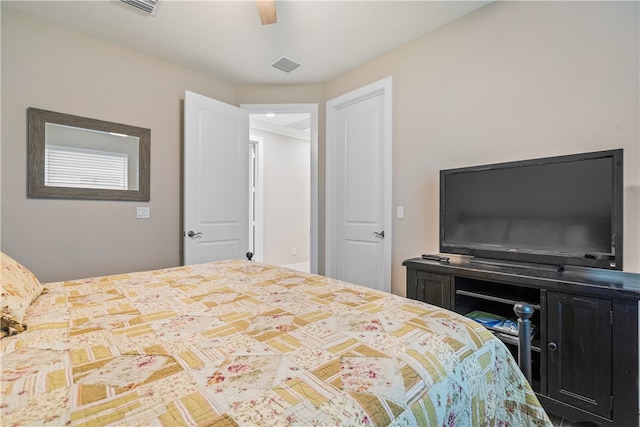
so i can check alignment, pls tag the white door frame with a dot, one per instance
(377, 88)
(312, 110)
(256, 199)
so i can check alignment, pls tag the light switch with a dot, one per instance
(142, 212)
(400, 212)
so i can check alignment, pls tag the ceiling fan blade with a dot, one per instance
(267, 11)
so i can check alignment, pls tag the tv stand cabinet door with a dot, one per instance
(579, 344)
(431, 288)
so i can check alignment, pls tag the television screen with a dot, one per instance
(564, 210)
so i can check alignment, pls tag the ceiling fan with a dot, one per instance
(267, 11)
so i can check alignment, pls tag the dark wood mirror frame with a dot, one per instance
(36, 120)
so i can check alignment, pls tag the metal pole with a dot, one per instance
(524, 312)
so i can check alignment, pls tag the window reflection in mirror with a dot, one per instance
(77, 157)
(84, 158)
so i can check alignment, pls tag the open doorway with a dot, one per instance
(283, 176)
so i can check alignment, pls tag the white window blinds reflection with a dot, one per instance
(82, 168)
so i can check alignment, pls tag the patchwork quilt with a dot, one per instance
(239, 343)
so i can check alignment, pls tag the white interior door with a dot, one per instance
(216, 180)
(359, 186)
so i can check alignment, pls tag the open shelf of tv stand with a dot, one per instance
(507, 338)
(513, 340)
(495, 298)
(598, 308)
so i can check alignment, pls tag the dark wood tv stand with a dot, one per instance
(585, 341)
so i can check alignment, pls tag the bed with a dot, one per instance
(243, 343)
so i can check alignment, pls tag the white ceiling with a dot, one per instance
(297, 125)
(226, 39)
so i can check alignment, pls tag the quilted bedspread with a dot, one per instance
(243, 343)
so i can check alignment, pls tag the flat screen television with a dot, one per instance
(554, 211)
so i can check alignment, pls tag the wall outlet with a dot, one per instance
(142, 212)
(293, 251)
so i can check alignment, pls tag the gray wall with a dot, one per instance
(48, 67)
(513, 80)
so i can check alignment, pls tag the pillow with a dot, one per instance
(19, 287)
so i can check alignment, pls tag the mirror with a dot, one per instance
(74, 157)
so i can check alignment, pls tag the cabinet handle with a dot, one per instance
(552, 346)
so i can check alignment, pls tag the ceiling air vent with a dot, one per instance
(285, 64)
(147, 6)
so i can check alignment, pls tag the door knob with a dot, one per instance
(192, 234)
(379, 235)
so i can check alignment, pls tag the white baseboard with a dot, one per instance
(302, 266)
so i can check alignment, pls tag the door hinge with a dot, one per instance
(611, 317)
(611, 403)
